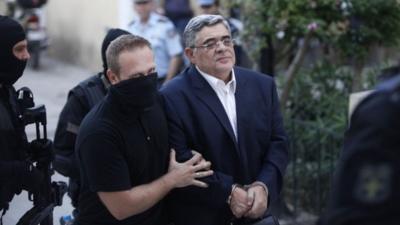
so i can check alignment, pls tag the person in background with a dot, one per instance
(162, 35)
(17, 173)
(80, 100)
(231, 116)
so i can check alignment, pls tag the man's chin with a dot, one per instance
(226, 67)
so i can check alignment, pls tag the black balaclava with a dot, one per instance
(11, 68)
(135, 94)
(112, 34)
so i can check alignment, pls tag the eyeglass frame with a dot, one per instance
(142, 2)
(226, 41)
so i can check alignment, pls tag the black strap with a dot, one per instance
(94, 89)
(2, 213)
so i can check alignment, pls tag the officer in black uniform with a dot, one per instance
(367, 183)
(16, 172)
(80, 100)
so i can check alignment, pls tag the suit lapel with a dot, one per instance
(241, 98)
(208, 96)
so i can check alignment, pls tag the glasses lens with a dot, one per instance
(211, 46)
(227, 42)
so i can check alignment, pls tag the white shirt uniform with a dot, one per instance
(164, 39)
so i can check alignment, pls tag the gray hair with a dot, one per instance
(197, 23)
(127, 42)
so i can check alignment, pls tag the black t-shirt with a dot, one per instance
(116, 152)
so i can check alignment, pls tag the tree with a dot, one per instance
(347, 28)
(314, 98)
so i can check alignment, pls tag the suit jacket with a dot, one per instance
(197, 120)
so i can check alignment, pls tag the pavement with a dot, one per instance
(50, 85)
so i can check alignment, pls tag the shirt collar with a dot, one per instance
(218, 83)
(152, 20)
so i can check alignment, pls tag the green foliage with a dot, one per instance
(349, 26)
(320, 93)
(316, 119)
(370, 23)
(316, 110)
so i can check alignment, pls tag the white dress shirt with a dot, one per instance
(226, 95)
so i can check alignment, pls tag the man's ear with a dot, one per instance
(112, 77)
(189, 54)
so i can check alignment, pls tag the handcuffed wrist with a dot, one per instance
(259, 183)
(234, 186)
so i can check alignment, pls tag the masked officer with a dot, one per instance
(80, 100)
(367, 183)
(16, 172)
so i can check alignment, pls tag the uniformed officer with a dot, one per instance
(17, 173)
(367, 183)
(80, 100)
(162, 35)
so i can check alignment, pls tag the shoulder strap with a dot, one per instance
(4, 210)
(94, 88)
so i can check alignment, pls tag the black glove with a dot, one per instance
(41, 150)
(30, 178)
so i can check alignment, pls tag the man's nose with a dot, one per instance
(221, 46)
(26, 55)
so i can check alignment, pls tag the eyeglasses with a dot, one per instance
(141, 2)
(227, 42)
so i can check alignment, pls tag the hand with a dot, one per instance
(187, 173)
(202, 160)
(260, 203)
(41, 150)
(241, 202)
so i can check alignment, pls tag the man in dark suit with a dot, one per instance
(231, 116)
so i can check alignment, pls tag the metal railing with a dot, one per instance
(313, 156)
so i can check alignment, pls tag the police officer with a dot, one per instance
(16, 172)
(367, 183)
(162, 35)
(80, 100)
